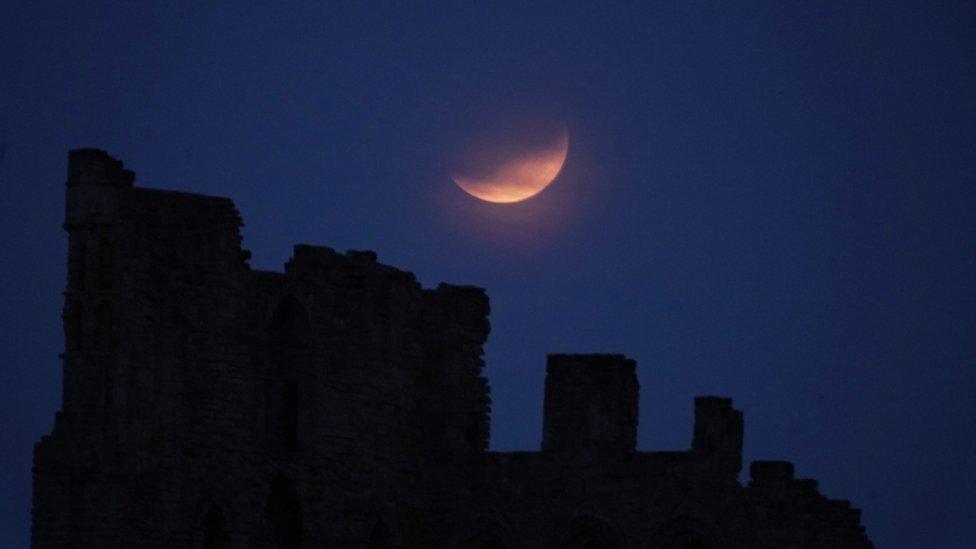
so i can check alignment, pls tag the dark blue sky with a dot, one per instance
(773, 203)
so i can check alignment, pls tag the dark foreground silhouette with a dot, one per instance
(339, 404)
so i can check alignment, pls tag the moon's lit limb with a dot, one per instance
(521, 178)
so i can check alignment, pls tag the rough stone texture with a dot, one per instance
(339, 404)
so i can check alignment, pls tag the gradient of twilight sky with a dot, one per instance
(771, 202)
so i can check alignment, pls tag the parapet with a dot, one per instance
(95, 184)
(455, 314)
(771, 471)
(590, 405)
(355, 268)
(97, 167)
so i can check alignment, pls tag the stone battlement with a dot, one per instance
(337, 403)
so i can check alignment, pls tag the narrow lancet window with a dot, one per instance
(288, 347)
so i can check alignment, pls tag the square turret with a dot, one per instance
(590, 405)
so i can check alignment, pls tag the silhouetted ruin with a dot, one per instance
(339, 404)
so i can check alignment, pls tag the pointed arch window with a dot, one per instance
(289, 328)
(288, 335)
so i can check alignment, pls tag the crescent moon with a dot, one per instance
(520, 178)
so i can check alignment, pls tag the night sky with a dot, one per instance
(772, 203)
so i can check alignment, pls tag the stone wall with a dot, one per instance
(340, 404)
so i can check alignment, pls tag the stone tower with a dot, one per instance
(590, 406)
(94, 191)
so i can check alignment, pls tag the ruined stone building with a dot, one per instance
(340, 404)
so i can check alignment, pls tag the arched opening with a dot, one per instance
(380, 537)
(214, 527)
(285, 514)
(106, 264)
(288, 335)
(289, 323)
